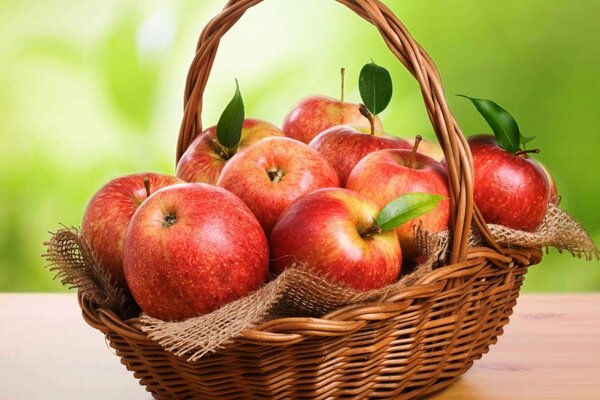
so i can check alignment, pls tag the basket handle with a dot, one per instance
(412, 56)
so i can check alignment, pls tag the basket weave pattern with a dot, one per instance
(415, 343)
(412, 343)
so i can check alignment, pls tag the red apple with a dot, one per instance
(331, 231)
(315, 114)
(387, 174)
(510, 189)
(204, 160)
(430, 149)
(108, 214)
(554, 197)
(192, 248)
(344, 146)
(273, 173)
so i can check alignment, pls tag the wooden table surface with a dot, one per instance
(550, 350)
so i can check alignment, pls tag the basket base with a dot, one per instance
(419, 349)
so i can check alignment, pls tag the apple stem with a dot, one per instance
(523, 152)
(169, 220)
(147, 186)
(413, 154)
(343, 74)
(367, 114)
(224, 152)
(275, 174)
(374, 229)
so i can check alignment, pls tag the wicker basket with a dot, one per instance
(413, 343)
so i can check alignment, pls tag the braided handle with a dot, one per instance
(411, 55)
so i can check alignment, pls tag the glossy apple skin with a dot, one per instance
(322, 231)
(554, 197)
(509, 190)
(315, 114)
(383, 176)
(203, 162)
(212, 253)
(304, 170)
(344, 146)
(109, 211)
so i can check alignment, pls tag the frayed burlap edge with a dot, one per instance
(298, 291)
(559, 230)
(70, 256)
(301, 292)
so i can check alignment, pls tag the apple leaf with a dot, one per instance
(503, 124)
(526, 139)
(405, 208)
(229, 127)
(375, 85)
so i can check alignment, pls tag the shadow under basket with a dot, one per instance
(411, 343)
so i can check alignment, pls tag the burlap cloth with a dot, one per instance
(297, 292)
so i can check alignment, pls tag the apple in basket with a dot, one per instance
(386, 174)
(344, 146)
(554, 196)
(343, 234)
(192, 248)
(204, 160)
(315, 114)
(273, 173)
(109, 211)
(510, 188)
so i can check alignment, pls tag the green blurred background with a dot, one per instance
(91, 90)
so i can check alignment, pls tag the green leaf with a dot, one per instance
(405, 208)
(525, 140)
(375, 85)
(502, 123)
(229, 127)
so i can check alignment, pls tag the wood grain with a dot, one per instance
(550, 350)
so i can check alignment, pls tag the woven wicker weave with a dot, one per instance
(413, 343)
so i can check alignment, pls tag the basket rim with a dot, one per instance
(347, 319)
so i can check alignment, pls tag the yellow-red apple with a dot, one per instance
(344, 146)
(273, 173)
(334, 231)
(192, 248)
(108, 214)
(387, 174)
(204, 160)
(315, 114)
